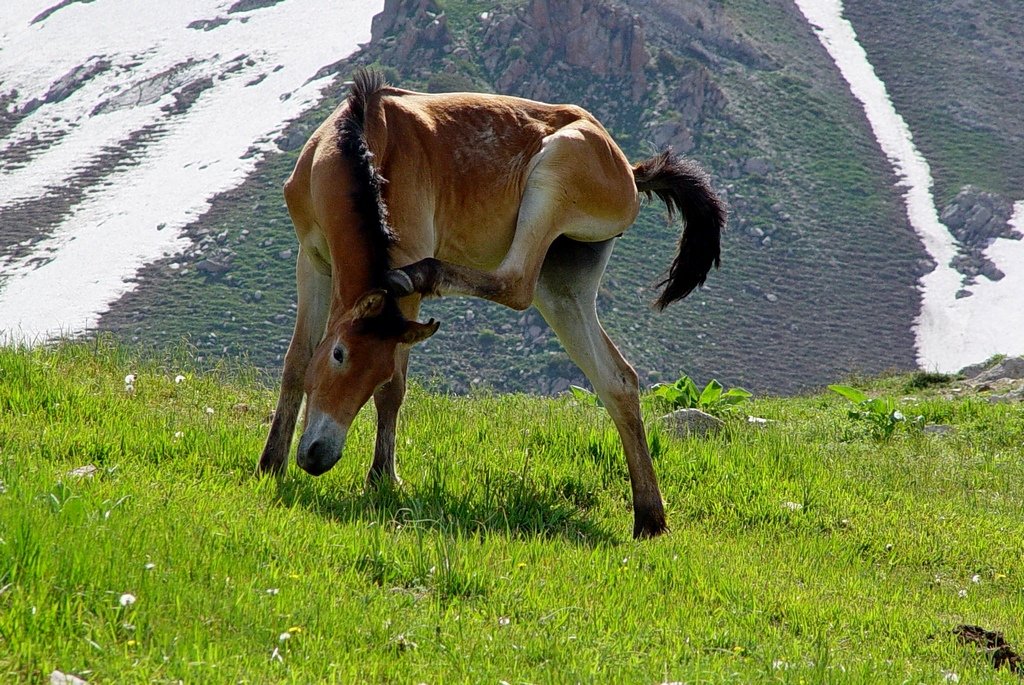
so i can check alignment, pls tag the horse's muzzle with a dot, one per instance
(321, 446)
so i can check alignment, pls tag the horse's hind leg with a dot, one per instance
(580, 185)
(566, 296)
(388, 400)
(314, 294)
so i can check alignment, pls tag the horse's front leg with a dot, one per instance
(388, 400)
(314, 292)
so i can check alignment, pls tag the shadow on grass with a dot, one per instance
(514, 509)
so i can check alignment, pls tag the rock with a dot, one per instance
(991, 271)
(561, 36)
(249, 5)
(59, 678)
(938, 429)
(208, 266)
(1010, 368)
(976, 219)
(415, 26)
(756, 166)
(75, 79)
(293, 139)
(87, 471)
(1005, 398)
(691, 422)
(207, 24)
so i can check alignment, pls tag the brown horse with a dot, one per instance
(507, 199)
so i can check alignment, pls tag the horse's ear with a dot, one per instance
(370, 305)
(417, 332)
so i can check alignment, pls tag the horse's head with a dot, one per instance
(356, 356)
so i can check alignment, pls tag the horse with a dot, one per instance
(401, 195)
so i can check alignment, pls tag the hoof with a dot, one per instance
(267, 467)
(649, 525)
(376, 480)
(398, 283)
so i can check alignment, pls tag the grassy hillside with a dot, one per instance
(806, 551)
(957, 84)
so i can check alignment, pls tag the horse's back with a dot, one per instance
(458, 166)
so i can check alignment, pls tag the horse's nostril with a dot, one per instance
(319, 457)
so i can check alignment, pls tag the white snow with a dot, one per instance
(137, 215)
(950, 333)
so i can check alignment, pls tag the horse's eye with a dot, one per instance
(339, 354)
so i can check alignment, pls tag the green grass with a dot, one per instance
(506, 554)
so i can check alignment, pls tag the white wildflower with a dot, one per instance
(127, 599)
(950, 677)
(149, 566)
(178, 379)
(961, 594)
(504, 621)
(285, 636)
(792, 506)
(129, 379)
(209, 410)
(272, 591)
(976, 578)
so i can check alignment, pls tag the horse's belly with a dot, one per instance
(480, 240)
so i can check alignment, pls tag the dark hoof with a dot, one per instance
(268, 467)
(378, 480)
(398, 283)
(649, 525)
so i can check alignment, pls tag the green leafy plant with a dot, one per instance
(713, 399)
(584, 396)
(882, 415)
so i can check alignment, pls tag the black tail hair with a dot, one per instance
(685, 187)
(367, 182)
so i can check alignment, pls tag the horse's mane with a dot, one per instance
(367, 182)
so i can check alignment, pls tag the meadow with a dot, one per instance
(136, 545)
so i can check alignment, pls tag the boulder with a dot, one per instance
(685, 423)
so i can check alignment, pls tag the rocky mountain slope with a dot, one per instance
(820, 266)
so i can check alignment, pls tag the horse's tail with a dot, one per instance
(684, 187)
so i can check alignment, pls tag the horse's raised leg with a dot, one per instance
(578, 186)
(314, 299)
(566, 296)
(388, 400)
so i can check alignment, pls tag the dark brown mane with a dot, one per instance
(367, 182)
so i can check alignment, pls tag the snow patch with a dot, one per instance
(951, 333)
(262, 64)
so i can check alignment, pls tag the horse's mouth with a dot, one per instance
(320, 448)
